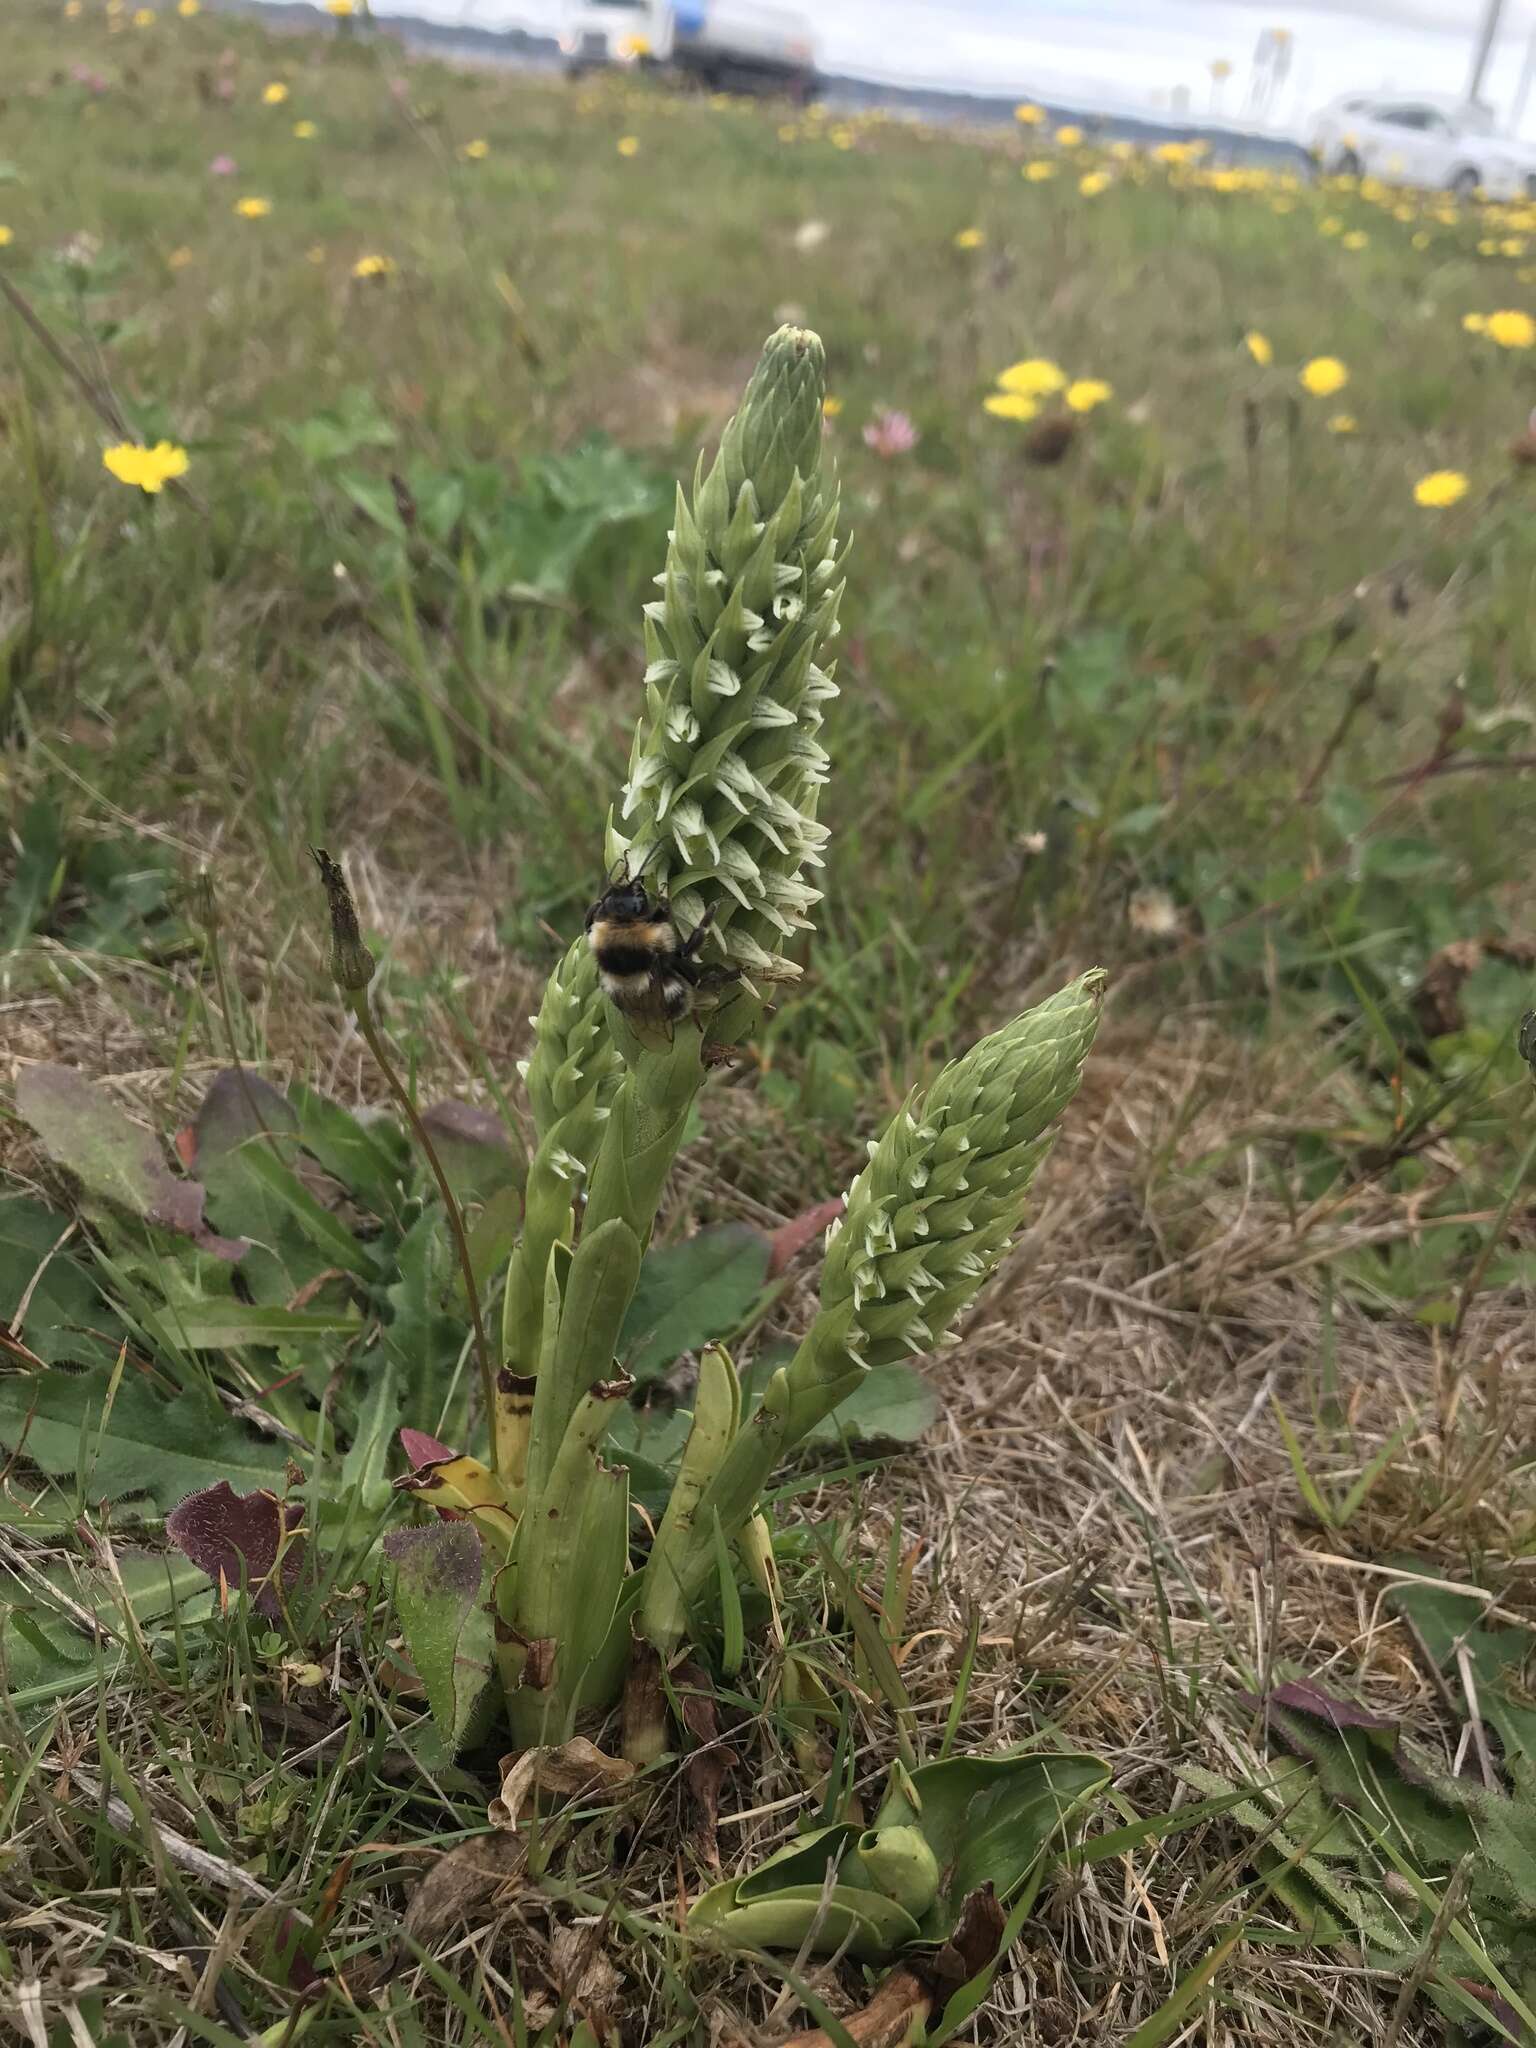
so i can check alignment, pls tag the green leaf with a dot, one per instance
(66, 1318)
(891, 1404)
(473, 1150)
(442, 1602)
(48, 1654)
(220, 1325)
(36, 877)
(692, 1294)
(166, 1449)
(365, 1467)
(989, 1820)
(371, 1160)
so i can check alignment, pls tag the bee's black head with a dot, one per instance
(624, 903)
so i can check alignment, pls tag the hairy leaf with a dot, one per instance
(83, 1129)
(246, 1539)
(166, 1449)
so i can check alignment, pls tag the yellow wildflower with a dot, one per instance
(1343, 423)
(1440, 488)
(7, 235)
(149, 468)
(1475, 323)
(144, 17)
(1087, 392)
(1356, 239)
(629, 145)
(1324, 375)
(1039, 171)
(342, 9)
(1036, 377)
(476, 150)
(274, 94)
(1511, 330)
(1031, 115)
(253, 209)
(373, 266)
(305, 131)
(831, 407)
(1010, 405)
(1261, 348)
(1069, 137)
(969, 238)
(1330, 225)
(187, 8)
(1095, 183)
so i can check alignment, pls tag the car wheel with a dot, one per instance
(1466, 182)
(1347, 165)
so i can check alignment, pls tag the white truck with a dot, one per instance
(726, 45)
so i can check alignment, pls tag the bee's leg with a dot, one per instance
(695, 938)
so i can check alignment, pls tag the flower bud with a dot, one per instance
(352, 965)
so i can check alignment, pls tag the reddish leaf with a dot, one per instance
(1301, 1696)
(229, 1534)
(185, 1142)
(422, 1449)
(706, 1768)
(792, 1237)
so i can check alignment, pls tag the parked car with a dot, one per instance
(1423, 140)
(728, 45)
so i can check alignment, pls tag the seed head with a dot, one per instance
(352, 965)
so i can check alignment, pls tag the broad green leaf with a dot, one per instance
(66, 1318)
(473, 1150)
(442, 1602)
(371, 1160)
(989, 1820)
(891, 1404)
(166, 1449)
(239, 1121)
(692, 1294)
(1449, 1621)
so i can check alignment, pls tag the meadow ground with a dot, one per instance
(1212, 667)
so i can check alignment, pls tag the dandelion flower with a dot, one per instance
(1093, 184)
(1475, 323)
(1260, 347)
(1069, 137)
(1010, 405)
(305, 131)
(1440, 488)
(179, 259)
(1030, 115)
(7, 236)
(1034, 378)
(274, 94)
(1343, 423)
(1511, 330)
(187, 8)
(477, 150)
(1087, 392)
(628, 145)
(1324, 375)
(144, 17)
(253, 209)
(373, 266)
(341, 9)
(831, 407)
(1039, 171)
(969, 238)
(149, 468)
(1355, 239)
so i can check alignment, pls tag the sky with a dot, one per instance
(1131, 55)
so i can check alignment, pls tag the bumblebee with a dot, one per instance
(655, 977)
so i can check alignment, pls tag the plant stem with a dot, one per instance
(364, 1015)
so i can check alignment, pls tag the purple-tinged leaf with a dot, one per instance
(1302, 1696)
(422, 1449)
(231, 1535)
(473, 1150)
(83, 1129)
(239, 1105)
